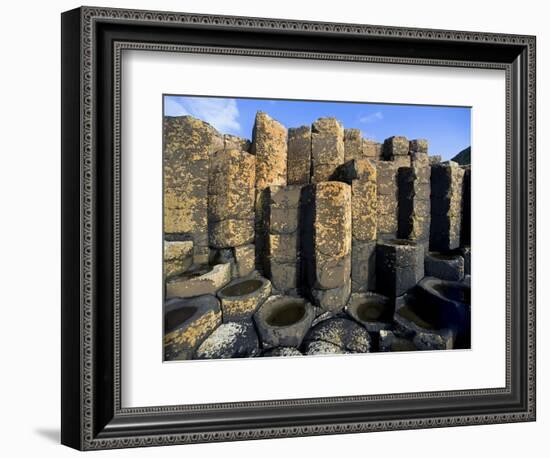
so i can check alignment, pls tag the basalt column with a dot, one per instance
(231, 199)
(361, 175)
(465, 239)
(332, 245)
(234, 142)
(372, 150)
(400, 266)
(188, 144)
(269, 144)
(446, 206)
(353, 144)
(327, 148)
(396, 149)
(466, 207)
(387, 197)
(414, 202)
(418, 150)
(299, 155)
(283, 237)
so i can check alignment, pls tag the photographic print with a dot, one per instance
(297, 228)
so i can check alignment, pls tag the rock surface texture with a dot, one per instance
(446, 206)
(282, 321)
(231, 198)
(327, 148)
(178, 257)
(361, 174)
(347, 335)
(230, 340)
(188, 145)
(311, 240)
(299, 155)
(332, 245)
(199, 280)
(387, 199)
(282, 256)
(414, 202)
(242, 297)
(269, 144)
(399, 266)
(187, 322)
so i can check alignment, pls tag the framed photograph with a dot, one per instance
(276, 228)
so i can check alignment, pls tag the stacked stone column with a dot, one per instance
(231, 208)
(399, 265)
(446, 206)
(466, 206)
(299, 155)
(418, 149)
(353, 144)
(361, 175)
(327, 148)
(269, 144)
(234, 142)
(387, 197)
(283, 245)
(332, 221)
(372, 150)
(188, 145)
(465, 239)
(414, 202)
(396, 149)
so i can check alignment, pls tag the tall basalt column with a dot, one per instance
(283, 245)
(231, 199)
(299, 155)
(372, 150)
(327, 148)
(414, 203)
(361, 175)
(466, 207)
(332, 245)
(418, 149)
(399, 266)
(269, 144)
(234, 142)
(396, 149)
(418, 145)
(387, 196)
(446, 206)
(188, 145)
(353, 144)
(395, 146)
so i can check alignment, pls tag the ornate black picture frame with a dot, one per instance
(92, 41)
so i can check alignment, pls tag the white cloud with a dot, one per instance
(173, 108)
(223, 114)
(377, 116)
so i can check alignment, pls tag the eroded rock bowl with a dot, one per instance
(187, 322)
(199, 280)
(282, 321)
(457, 292)
(373, 311)
(453, 300)
(426, 323)
(242, 297)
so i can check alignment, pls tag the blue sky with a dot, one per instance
(446, 128)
